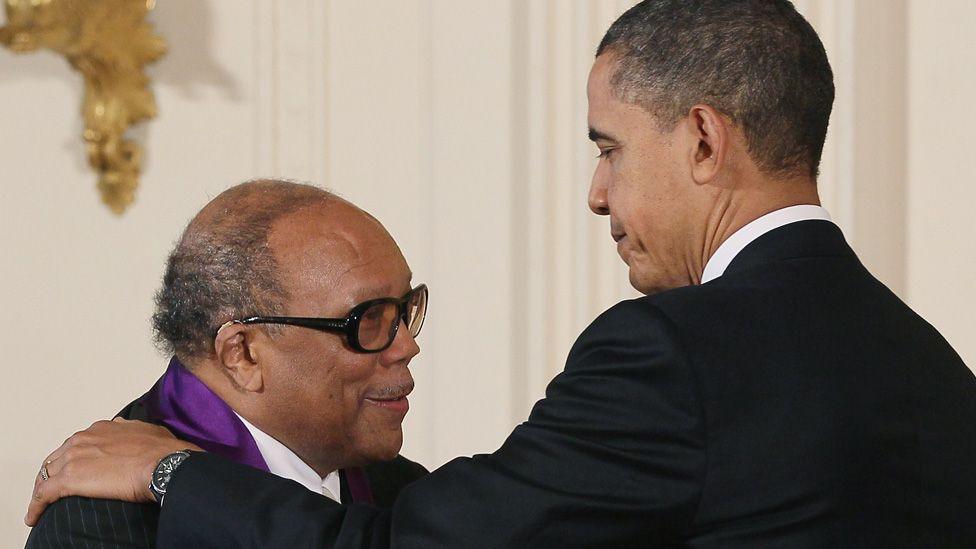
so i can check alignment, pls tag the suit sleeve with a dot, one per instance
(613, 456)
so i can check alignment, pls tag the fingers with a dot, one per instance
(49, 465)
(37, 482)
(77, 475)
(45, 492)
(79, 452)
(110, 459)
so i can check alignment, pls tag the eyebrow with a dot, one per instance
(386, 290)
(596, 135)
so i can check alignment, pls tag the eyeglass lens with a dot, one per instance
(379, 323)
(416, 311)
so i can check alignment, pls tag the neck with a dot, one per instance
(736, 207)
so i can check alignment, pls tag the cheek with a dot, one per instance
(620, 192)
(343, 385)
(330, 390)
(630, 198)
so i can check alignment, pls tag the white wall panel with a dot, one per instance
(567, 268)
(941, 172)
(862, 176)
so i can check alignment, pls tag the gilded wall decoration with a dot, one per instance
(109, 42)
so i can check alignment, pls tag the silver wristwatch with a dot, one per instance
(164, 473)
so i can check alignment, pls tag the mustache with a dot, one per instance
(391, 392)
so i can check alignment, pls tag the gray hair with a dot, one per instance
(757, 61)
(222, 267)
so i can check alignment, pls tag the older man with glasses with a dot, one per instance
(291, 320)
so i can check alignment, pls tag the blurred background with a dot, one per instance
(461, 125)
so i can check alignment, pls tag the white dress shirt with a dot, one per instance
(723, 256)
(286, 464)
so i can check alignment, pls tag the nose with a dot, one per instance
(403, 348)
(597, 197)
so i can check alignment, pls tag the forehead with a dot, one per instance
(614, 118)
(600, 74)
(336, 251)
(607, 113)
(599, 92)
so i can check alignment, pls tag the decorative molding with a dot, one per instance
(834, 21)
(566, 268)
(863, 171)
(300, 66)
(109, 43)
(265, 93)
(291, 50)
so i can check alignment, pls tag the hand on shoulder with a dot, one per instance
(108, 460)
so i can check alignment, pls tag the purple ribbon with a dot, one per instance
(358, 484)
(188, 408)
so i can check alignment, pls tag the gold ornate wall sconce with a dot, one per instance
(109, 42)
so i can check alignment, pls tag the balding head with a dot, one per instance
(280, 249)
(222, 266)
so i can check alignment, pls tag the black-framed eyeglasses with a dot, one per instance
(370, 327)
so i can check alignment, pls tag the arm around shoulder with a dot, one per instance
(614, 453)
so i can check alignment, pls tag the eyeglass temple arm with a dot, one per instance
(320, 323)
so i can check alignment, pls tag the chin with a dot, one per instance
(642, 284)
(384, 450)
(386, 454)
(652, 283)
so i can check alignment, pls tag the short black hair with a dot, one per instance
(222, 267)
(759, 62)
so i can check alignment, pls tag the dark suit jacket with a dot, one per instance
(86, 522)
(794, 402)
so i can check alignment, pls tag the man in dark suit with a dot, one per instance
(329, 422)
(767, 391)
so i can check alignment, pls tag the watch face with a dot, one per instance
(164, 471)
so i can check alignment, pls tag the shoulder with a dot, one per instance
(662, 313)
(630, 371)
(629, 320)
(75, 520)
(636, 332)
(670, 327)
(697, 313)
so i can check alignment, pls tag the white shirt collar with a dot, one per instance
(726, 252)
(285, 463)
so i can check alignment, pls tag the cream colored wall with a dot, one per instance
(77, 282)
(940, 224)
(461, 125)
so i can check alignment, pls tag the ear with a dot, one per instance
(237, 356)
(711, 134)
